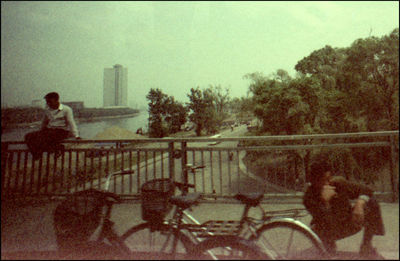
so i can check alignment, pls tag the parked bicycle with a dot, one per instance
(278, 233)
(172, 239)
(85, 215)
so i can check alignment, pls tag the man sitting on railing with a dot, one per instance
(328, 201)
(58, 124)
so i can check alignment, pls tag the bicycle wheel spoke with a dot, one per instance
(285, 240)
(289, 243)
(266, 245)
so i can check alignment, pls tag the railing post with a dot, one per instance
(392, 168)
(171, 160)
(184, 163)
(4, 157)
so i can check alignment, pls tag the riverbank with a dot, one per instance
(100, 118)
(36, 124)
(30, 117)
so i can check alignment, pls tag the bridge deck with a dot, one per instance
(29, 229)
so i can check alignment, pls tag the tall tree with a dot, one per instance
(157, 111)
(202, 110)
(284, 106)
(166, 115)
(373, 63)
(221, 98)
(176, 115)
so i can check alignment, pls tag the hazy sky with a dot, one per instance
(65, 46)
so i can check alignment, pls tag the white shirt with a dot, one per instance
(61, 118)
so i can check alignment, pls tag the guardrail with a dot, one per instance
(276, 164)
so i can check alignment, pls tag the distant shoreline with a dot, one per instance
(36, 124)
(93, 119)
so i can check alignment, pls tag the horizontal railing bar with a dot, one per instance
(249, 138)
(272, 147)
(292, 147)
(105, 150)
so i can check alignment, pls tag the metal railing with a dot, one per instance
(278, 165)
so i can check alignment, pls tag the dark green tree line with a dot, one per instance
(336, 90)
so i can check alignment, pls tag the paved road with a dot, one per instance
(221, 175)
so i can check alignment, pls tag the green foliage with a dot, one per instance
(166, 116)
(208, 108)
(221, 98)
(374, 64)
(284, 105)
(243, 107)
(157, 110)
(176, 115)
(336, 90)
(201, 106)
(363, 78)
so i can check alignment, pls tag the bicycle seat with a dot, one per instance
(251, 199)
(185, 201)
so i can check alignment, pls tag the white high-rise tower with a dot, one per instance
(115, 92)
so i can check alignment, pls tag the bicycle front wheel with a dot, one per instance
(289, 239)
(228, 248)
(147, 241)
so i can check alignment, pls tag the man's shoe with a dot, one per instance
(369, 252)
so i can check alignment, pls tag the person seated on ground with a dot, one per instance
(57, 124)
(333, 216)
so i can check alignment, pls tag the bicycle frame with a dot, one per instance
(177, 227)
(105, 229)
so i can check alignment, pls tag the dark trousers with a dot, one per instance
(45, 140)
(373, 225)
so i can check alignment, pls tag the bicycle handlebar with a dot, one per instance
(122, 172)
(192, 168)
(182, 186)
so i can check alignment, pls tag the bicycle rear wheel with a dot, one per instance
(147, 241)
(289, 239)
(228, 248)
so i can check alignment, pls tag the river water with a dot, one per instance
(87, 130)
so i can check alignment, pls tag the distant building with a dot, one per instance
(115, 91)
(38, 103)
(115, 107)
(75, 105)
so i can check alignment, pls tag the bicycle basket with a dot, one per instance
(155, 196)
(77, 217)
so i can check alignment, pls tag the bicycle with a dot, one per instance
(84, 215)
(73, 238)
(172, 239)
(268, 232)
